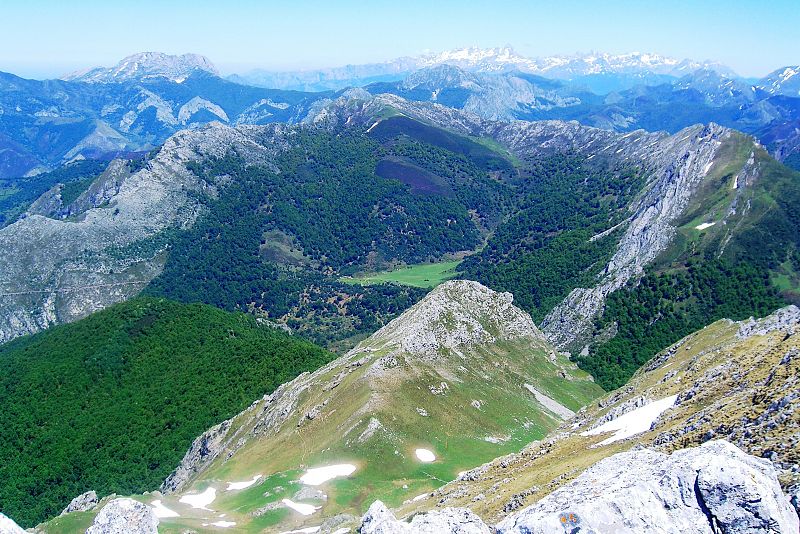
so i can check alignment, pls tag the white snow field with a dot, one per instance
(162, 511)
(633, 422)
(320, 475)
(305, 509)
(243, 485)
(200, 500)
(424, 455)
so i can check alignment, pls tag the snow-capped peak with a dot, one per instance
(147, 65)
(784, 81)
(566, 66)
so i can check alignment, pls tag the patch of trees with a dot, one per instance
(665, 307)
(112, 402)
(545, 249)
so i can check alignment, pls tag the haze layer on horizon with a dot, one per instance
(47, 38)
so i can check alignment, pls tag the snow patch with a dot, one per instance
(224, 524)
(320, 475)
(634, 422)
(307, 530)
(301, 508)
(242, 485)
(704, 226)
(424, 455)
(162, 511)
(200, 500)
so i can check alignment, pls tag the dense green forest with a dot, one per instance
(545, 249)
(112, 402)
(663, 308)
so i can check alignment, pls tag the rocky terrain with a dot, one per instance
(764, 109)
(711, 488)
(109, 243)
(60, 263)
(131, 108)
(703, 439)
(146, 65)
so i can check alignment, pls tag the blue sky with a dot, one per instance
(40, 38)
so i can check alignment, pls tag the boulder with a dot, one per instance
(8, 526)
(380, 520)
(703, 490)
(125, 516)
(82, 503)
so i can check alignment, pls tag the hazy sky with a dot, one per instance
(41, 38)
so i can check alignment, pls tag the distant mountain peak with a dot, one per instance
(147, 65)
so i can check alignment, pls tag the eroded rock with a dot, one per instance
(704, 490)
(125, 516)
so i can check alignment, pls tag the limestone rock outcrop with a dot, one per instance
(704, 490)
(8, 526)
(82, 503)
(380, 520)
(125, 516)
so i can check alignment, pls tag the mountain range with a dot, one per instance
(635, 68)
(134, 106)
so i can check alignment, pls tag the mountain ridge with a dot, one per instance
(146, 65)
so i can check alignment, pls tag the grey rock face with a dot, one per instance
(786, 319)
(708, 489)
(55, 270)
(82, 503)
(124, 516)
(379, 520)
(8, 526)
(677, 165)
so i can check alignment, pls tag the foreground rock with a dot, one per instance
(379, 520)
(82, 503)
(708, 489)
(125, 516)
(8, 526)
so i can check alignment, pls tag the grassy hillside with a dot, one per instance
(730, 387)
(113, 401)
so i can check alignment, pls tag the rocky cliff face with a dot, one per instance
(107, 249)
